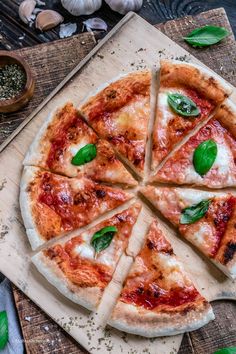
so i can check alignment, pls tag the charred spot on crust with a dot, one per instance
(150, 245)
(111, 94)
(100, 193)
(229, 252)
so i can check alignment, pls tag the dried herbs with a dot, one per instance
(12, 81)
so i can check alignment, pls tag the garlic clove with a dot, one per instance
(95, 23)
(124, 6)
(67, 29)
(48, 19)
(26, 9)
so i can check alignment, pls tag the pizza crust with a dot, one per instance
(128, 318)
(86, 297)
(26, 205)
(226, 114)
(202, 79)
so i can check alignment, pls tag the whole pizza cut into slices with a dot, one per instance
(120, 114)
(206, 219)
(208, 158)
(187, 96)
(82, 266)
(52, 205)
(67, 145)
(158, 298)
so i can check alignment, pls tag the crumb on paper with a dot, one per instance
(27, 318)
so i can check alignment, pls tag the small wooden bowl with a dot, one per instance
(14, 104)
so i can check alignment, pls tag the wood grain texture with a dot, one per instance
(196, 342)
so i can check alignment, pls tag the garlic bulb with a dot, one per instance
(48, 19)
(81, 7)
(26, 9)
(124, 6)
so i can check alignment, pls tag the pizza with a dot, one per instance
(187, 95)
(158, 298)
(206, 219)
(120, 114)
(67, 145)
(76, 208)
(52, 205)
(213, 146)
(77, 270)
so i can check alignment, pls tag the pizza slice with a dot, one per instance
(158, 298)
(82, 266)
(208, 157)
(67, 145)
(187, 96)
(120, 114)
(206, 219)
(52, 205)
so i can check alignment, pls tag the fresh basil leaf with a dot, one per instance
(205, 36)
(195, 212)
(183, 105)
(204, 156)
(86, 154)
(230, 350)
(3, 329)
(102, 238)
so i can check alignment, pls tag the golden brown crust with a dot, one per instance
(226, 114)
(195, 77)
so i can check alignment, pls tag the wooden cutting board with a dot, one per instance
(210, 18)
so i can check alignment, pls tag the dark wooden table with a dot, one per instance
(14, 35)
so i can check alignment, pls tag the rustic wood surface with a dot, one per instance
(41, 334)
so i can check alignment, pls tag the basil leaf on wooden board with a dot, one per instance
(3, 329)
(205, 36)
(86, 154)
(230, 350)
(204, 156)
(195, 212)
(183, 105)
(102, 238)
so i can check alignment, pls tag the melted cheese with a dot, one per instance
(84, 250)
(76, 147)
(223, 159)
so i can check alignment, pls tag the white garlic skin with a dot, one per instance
(81, 7)
(26, 9)
(124, 6)
(48, 19)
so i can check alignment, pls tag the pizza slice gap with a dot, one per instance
(81, 267)
(158, 298)
(188, 94)
(53, 205)
(208, 157)
(67, 145)
(205, 219)
(120, 114)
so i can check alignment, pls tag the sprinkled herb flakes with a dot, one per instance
(12, 81)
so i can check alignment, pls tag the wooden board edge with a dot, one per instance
(67, 78)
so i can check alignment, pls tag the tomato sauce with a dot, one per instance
(221, 217)
(80, 271)
(151, 296)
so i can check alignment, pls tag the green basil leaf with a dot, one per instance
(3, 329)
(102, 238)
(205, 36)
(183, 105)
(204, 156)
(230, 350)
(195, 212)
(86, 154)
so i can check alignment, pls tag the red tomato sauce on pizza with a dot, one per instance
(81, 271)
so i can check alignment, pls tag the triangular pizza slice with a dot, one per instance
(187, 96)
(208, 157)
(120, 114)
(82, 266)
(158, 298)
(52, 205)
(67, 145)
(206, 219)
